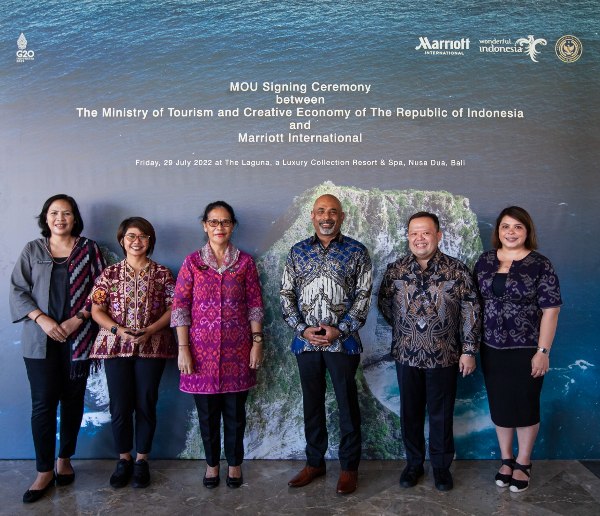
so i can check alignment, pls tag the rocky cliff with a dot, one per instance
(378, 219)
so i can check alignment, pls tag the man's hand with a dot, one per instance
(312, 334)
(466, 365)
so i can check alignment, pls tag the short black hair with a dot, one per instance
(219, 204)
(43, 224)
(139, 223)
(520, 214)
(421, 214)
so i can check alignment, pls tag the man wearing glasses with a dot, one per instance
(325, 298)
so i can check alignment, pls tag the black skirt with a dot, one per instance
(513, 394)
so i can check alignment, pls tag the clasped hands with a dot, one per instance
(321, 335)
(58, 332)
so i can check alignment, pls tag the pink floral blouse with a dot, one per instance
(218, 305)
(135, 303)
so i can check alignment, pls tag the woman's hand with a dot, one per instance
(70, 325)
(256, 356)
(185, 361)
(540, 363)
(52, 328)
(140, 337)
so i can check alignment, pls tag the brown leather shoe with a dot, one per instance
(347, 482)
(306, 476)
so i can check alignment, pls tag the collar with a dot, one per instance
(339, 238)
(431, 263)
(131, 270)
(232, 254)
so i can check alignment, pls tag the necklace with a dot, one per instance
(60, 262)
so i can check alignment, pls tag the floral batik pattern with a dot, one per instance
(134, 302)
(513, 319)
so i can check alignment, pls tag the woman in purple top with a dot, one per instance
(218, 313)
(521, 297)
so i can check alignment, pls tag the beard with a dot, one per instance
(327, 231)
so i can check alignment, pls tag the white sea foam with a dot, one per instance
(95, 418)
(582, 364)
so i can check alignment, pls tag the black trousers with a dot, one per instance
(342, 368)
(50, 382)
(231, 406)
(435, 390)
(133, 388)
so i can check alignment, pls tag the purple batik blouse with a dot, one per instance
(218, 304)
(513, 319)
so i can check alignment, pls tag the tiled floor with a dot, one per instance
(558, 487)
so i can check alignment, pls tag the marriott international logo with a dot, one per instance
(443, 47)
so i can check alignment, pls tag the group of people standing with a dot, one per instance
(76, 312)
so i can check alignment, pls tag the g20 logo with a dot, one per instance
(25, 54)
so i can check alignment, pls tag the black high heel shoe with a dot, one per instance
(503, 479)
(33, 495)
(211, 482)
(235, 482)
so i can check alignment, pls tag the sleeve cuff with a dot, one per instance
(344, 330)
(180, 317)
(300, 329)
(256, 314)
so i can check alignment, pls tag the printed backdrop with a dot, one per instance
(157, 108)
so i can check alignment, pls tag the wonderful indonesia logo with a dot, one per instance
(529, 46)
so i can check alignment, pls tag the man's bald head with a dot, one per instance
(327, 217)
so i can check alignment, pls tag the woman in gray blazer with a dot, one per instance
(49, 291)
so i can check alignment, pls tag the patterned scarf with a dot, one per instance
(85, 266)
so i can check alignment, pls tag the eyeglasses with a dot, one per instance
(132, 237)
(213, 223)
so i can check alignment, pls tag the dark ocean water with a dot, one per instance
(185, 54)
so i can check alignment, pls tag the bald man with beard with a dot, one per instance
(325, 298)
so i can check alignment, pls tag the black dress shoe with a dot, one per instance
(64, 480)
(211, 482)
(234, 481)
(122, 473)
(443, 479)
(411, 474)
(141, 474)
(33, 495)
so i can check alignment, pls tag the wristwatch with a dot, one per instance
(257, 338)
(81, 316)
(545, 351)
(114, 329)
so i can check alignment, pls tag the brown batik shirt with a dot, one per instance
(434, 313)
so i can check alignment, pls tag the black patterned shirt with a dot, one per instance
(329, 285)
(434, 313)
(513, 319)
